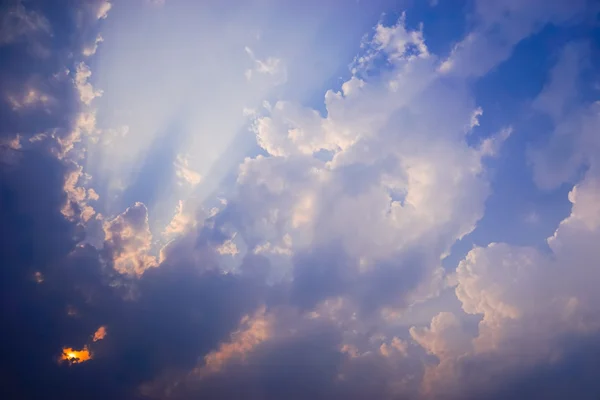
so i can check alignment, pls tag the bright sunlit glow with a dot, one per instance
(73, 356)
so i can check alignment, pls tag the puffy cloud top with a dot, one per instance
(341, 248)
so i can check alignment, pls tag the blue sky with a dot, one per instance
(267, 199)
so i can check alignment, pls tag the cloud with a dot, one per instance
(395, 188)
(58, 290)
(535, 306)
(255, 331)
(91, 50)
(395, 346)
(273, 68)
(491, 145)
(19, 22)
(100, 334)
(80, 293)
(102, 9)
(228, 248)
(182, 221)
(128, 240)
(511, 288)
(285, 290)
(572, 142)
(444, 338)
(262, 369)
(30, 98)
(502, 25)
(76, 207)
(87, 93)
(185, 173)
(73, 356)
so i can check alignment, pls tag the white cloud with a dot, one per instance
(272, 67)
(90, 50)
(103, 7)
(475, 117)
(531, 301)
(87, 93)
(399, 185)
(182, 221)
(500, 26)
(85, 123)
(444, 338)
(402, 179)
(128, 241)
(228, 247)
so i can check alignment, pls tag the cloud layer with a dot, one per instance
(307, 272)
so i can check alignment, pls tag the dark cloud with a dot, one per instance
(300, 360)
(167, 319)
(55, 291)
(165, 322)
(40, 42)
(571, 375)
(184, 328)
(574, 376)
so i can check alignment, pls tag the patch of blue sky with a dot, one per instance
(518, 211)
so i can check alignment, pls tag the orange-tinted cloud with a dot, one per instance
(76, 206)
(255, 330)
(129, 240)
(100, 334)
(73, 356)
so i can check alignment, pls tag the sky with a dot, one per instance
(269, 200)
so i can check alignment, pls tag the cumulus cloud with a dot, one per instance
(396, 186)
(128, 240)
(76, 206)
(296, 286)
(87, 93)
(530, 302)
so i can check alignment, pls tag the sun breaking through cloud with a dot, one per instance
(317, 200)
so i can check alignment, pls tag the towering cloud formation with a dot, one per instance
(319, 270)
